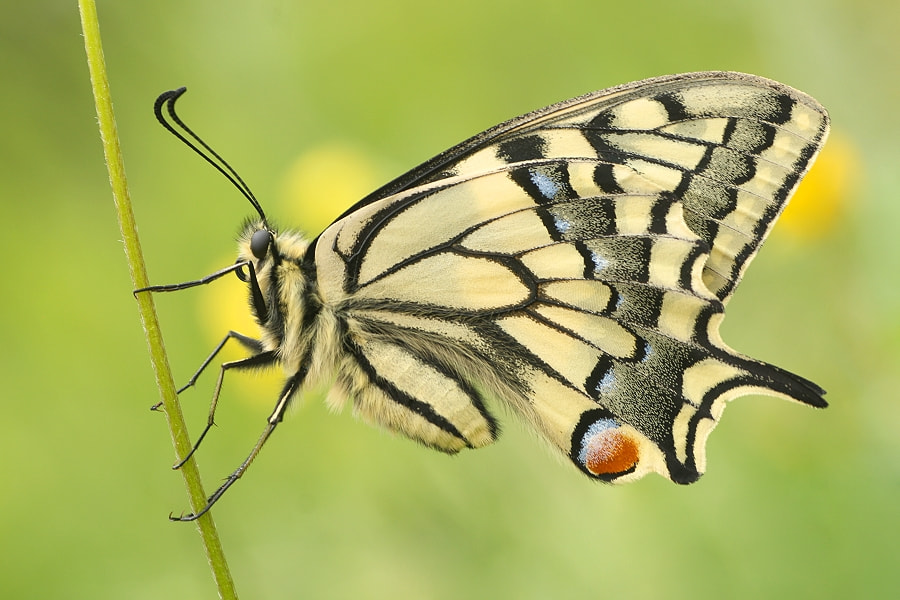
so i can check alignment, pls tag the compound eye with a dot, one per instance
(259, 243)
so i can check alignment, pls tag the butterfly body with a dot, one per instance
(573, 264)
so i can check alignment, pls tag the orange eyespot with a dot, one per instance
(607, 450)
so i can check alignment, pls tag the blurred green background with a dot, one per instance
(314, 102)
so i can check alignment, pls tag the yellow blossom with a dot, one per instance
(823, 194)
(322, 183)
(317, 187)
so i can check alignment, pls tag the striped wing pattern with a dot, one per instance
(574, 263)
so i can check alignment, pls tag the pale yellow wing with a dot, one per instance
(574, 263)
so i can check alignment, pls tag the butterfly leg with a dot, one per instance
(250, 343)
(174, 287)
(261, 359)
(290, 388)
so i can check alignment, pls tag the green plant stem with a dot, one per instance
(215, 555)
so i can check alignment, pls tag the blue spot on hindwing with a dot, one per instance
(545, 184)
(648, 350)
(606, 383)
(600, 261)
(561, 224)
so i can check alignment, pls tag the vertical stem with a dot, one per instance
(115, 165)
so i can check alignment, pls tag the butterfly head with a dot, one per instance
(259, 255)
(274, 273)
(256, 243)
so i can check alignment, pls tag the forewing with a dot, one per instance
(732, 147)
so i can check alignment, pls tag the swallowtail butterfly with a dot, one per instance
(573, 263)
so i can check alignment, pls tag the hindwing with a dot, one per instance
(574, 263)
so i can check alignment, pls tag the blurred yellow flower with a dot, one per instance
(317, 187)
(223, 306)
(823, 194)
(322, 183)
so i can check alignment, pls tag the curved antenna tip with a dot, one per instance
(169, 98)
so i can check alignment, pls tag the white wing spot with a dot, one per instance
(561, 224)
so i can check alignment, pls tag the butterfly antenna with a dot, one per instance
(168, 100)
